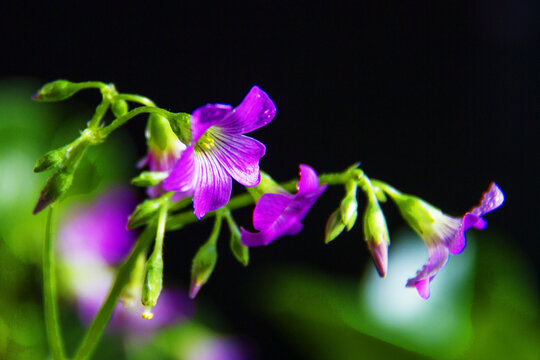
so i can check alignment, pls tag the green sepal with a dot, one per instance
(50, 159)
(149, 178)
(334, 226)
(159, 132)
(144, 212)
(202, 266)
(181, 125)
(119, 107)
(266, 185)
(205, 259)
(416, 212)
(239, 250)
(349, 205)
(56, 91)
(153, 280)
(375, 228)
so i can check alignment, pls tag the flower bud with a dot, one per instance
(153, 280)
(49, 160)
(149, 178)
(56, 91)
(202, 266)
(334, 226)
(56, 185)
(181, 125)
(119, 107)
(160, 132)
(376, 235)
(132, 290)
(239, 250)
(144, 212)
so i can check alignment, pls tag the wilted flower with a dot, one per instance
(276, 215)
(219, 151)
(442, 234)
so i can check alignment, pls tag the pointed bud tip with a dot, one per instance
(36, 95)
(41, 204)
(379, 254)
(194, 288)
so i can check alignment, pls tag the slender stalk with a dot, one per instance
(49, 292)
(143, 100)
(116, 123)
(101, 109)
(104, 314)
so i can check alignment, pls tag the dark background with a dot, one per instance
(437, 98)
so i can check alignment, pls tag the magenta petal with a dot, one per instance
(269, 208)
(240, 155)
(206, 116)
(255, 111)
(308, 180)
(214, 185)
(438, 256)
(184, 176)
(255, 239)
(423, 288)
(491, 200)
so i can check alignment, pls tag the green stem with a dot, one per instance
(390, 190)
(49, 292)
(99, 113)
(105, 312)
(143, 100)
(177, 221)
(116, 123)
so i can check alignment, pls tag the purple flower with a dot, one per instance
(445, 235)
(92, 239)
(219, 151)
(276, 215)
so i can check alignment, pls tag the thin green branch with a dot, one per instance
(49, 292)
(116, 123)
(104, 314)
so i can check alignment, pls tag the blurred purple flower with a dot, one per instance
(445, 235)
(220, 348)
(92, 239)
(276, 215)
(219, 151)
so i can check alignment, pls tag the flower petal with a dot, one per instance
(214, 184)
(255, 111)
(491, 200)
(269, 208)
(183, 177)
(206, 116)
(438, 256)
(309, 181)
(240, 156)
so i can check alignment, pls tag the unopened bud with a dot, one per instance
(376, 235)
(56, 186)
(160, 133)
(153, 280)
(49, 160)
(334, 226)
(56, 91)
(119, 107)
(149, 178)
(202, 267)
(144, 212)
(239, 250)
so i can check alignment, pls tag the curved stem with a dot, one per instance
(105, 312)
(143, 100)
(99, 113)
(116, 123)
(49, 292)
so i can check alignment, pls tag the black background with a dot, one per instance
(437, 98)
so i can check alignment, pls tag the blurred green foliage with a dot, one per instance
(483, 306)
